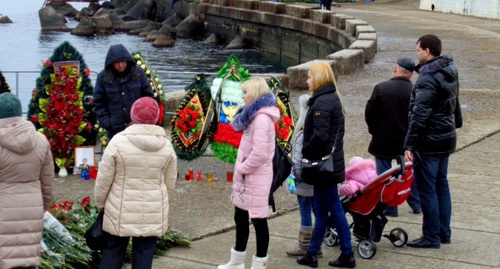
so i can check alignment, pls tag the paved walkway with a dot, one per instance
(473, 176)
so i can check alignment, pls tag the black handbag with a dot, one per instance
(323, 165)
(94, 236)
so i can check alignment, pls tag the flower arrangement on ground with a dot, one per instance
(76, 219)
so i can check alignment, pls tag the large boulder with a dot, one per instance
(238, 42)
(141, 10)
(64, 8)
(163, 41)
(51, 20)
(168, 30)
(174, 19)
(191, 26)
(132, 25)
(5, 19)
(103, 24)
(84, 28)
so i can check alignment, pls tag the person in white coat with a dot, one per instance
(137, 171)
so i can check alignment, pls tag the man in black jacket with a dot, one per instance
(386, 114)
(117, 87)
(434, 115)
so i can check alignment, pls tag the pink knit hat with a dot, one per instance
(145, 111)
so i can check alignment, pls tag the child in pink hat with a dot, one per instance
(357, 175)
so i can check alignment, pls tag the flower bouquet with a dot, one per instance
(77, 218)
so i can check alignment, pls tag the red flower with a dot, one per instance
(86, 72)
(47, 63)
(85, 201)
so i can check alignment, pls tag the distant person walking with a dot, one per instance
(386, 114)
(434, 115)
(26, 186)
(117, 87)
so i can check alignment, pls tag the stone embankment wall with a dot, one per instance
(295, 31)
(477, 8)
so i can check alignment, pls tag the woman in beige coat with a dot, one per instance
(26, 186)
(138, 169)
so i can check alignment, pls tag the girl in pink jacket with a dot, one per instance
(360, 172)
(253, 171)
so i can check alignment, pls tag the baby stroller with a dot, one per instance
(391, 188)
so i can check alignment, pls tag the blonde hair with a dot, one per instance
(321, 75)
(256, 87)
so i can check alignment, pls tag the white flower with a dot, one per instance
(143, 66)
(137, 56)
(101, 130)
(148, 72)
(157, 79)
(161, 92)
(156, 95)
(160, 86)
(139, 62)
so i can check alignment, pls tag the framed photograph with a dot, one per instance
(60, 67)
(84, 158)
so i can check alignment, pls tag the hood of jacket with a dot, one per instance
(146, 137)
(443, 64)
(118, 53)
(17, 135)
(264, 105)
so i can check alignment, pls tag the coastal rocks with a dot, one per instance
(51, 20)
(64, 9)
(141, 10)
(238, 42)
(174, 19)
(164, 41)
(4, 19)
(152, 36)
(132, 25)
(212, 39)
(191, 26)
(84, 28)
(168, 30)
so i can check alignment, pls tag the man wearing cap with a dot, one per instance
(386, 115)
(434, 116)
(26, 186)
(117, 87)
(137, 172)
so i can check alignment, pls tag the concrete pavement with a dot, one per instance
(474, 183)
(473, 172)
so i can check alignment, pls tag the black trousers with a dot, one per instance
(243, 232)
(143, 249)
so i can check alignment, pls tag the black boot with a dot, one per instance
(346, 261)
(309, 259)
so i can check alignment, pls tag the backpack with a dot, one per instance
(282, 166)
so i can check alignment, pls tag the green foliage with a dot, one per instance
(232, 70)
(64, 52)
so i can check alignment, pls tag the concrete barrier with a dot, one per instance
(347, 60)
(297, 75)
(369, 48)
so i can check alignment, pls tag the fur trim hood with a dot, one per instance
(442, 64)
(245, 114)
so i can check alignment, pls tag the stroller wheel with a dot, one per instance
(398, 237)
(367, 249)
(331, 238)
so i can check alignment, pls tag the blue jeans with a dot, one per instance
(327, 200)
(413, 200)
(305, 208)
(431, 174)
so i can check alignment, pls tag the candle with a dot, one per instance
(199, 177)
(191, 174)
(209, 177)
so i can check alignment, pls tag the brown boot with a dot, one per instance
(305, 236)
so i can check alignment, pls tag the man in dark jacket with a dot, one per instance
(434, 115)
(118, 86)
(386, 114)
